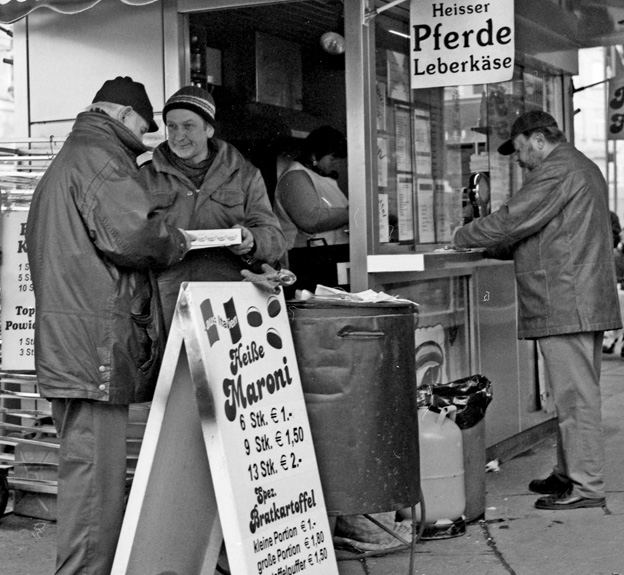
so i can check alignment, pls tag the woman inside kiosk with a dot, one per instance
(313, 211)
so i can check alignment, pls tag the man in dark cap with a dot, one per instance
(93, 234)
(208, 184)
(557, 229)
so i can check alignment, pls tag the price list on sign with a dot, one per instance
(17, 315)
(257, 434)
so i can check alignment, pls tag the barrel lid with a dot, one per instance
(326, 302)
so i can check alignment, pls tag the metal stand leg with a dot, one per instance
(417, 532)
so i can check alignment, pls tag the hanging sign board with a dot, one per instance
(615, 102)
(247, 392)
(461, 42)
(18, 299)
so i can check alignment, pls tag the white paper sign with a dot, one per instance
(445, 212)
(426, 222)
(382, 162)
(405, 206)
(403, 139)
(461, 42)
(18, 298)
(384, 229)
(422, 141)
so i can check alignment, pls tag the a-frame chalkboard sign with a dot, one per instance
(227, 452)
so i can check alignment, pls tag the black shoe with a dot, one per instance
(552, 485)
(560, 503)
(608, 348)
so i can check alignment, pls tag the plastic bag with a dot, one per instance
(471, 395)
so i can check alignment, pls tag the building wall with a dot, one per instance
(590, 123)
(70, 56)
(589, 104)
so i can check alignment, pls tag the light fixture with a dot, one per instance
(333, 43)
(397, 33)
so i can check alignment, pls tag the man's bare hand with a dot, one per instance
(247, 242)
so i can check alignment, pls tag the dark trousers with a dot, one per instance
(91, 484)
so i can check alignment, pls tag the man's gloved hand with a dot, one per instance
(270, 279)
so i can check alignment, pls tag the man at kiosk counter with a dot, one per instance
(206, 183)
(557, 229)
(93, 234)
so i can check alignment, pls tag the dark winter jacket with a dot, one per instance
(233, 192)
(558, 228)
(93, 233)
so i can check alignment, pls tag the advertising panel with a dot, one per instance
(461, 42)
(18, 299)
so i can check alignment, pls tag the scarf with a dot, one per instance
(194, 172)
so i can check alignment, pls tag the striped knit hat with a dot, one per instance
(194, 99)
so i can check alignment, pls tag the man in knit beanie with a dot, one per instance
(210, 186)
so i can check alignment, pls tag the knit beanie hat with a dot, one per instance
(126, 92)
(194, 99)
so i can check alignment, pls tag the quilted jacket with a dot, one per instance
(93, 235)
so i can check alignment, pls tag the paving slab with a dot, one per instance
(514, 538)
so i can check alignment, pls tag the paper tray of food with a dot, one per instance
(214, 238)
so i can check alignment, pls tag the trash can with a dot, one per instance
(471, 395)
(356, 362)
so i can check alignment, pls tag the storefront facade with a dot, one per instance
(278, 69)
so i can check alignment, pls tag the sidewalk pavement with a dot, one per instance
(513, 539)
(517, 539)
